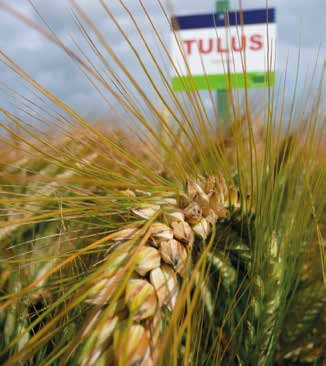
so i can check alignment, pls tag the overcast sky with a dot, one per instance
(296, 19)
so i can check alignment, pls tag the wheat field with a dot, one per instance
(168, 238)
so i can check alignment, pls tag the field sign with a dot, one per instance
(217, 54)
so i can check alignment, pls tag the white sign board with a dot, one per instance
(213, 52)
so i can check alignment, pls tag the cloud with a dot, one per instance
(50, 66)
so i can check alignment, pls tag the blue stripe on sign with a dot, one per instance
(217, 20)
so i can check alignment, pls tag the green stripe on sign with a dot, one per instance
(223, 82)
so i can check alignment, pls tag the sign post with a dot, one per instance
(222, 7)
(206, 47)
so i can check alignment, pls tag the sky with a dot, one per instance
(300, 24)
